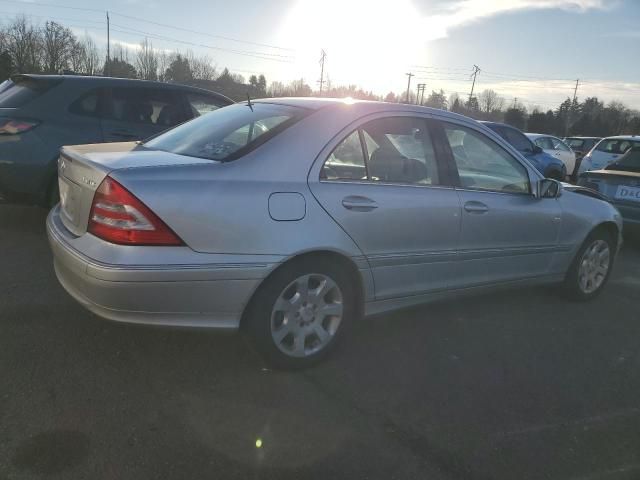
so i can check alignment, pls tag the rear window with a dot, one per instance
(575, 142)
(20, 91)
(616, 145)
(228, 133)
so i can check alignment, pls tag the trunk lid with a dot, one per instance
(609, 183)
(81, 169)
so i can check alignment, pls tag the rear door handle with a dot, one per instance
(358, 203)
(476, 207)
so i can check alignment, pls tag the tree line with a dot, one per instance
(52, 48)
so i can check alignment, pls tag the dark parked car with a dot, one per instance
(620, 183)
(41, 113)
(546, 164)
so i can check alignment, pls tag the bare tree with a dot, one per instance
(147, 61)
(489, 101)
(57, 45)
(91, 57)
(24, 42)
(202, 68)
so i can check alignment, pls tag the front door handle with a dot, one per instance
(358, 203)
(476, 207)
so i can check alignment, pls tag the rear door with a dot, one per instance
(136, 113)
(382, 182)
(507, 234)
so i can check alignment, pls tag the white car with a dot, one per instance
(556, 147)
(607, 151)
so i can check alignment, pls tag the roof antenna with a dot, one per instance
(249, 104)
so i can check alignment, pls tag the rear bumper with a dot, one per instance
(195, 295)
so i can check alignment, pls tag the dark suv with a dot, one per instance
(41, 113)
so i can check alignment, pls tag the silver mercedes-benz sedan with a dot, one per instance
(291, 218)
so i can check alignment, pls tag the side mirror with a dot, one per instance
(536, 149)
(549, 188)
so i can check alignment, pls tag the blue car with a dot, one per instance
(546, 164)
(41, 113)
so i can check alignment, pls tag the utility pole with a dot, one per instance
(323, 56)
(569, 113)
(408, 84)
(420, 92)
(476, 71)
(108, 46)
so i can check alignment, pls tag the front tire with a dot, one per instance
(591, 267)
(298, 315)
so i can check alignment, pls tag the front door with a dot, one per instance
(382, 183)
(507, 233)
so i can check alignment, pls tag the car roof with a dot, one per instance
(98, 81)
(584, 138)
(317, 103)
(623, 137)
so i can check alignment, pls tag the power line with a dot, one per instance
(262, 56)
(164, 25)
(230, 39)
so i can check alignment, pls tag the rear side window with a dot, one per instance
(150, 106)
(228, 133)
(21, 90)
(395, 149)
(88, 104)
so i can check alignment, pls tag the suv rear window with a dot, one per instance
(228, 133)
(21, 90)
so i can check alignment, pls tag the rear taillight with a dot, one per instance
(14, 126)
(117, 216)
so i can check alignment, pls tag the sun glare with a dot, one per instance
(359, 36)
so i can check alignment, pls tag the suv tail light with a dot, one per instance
(14, 126)
(117, 216)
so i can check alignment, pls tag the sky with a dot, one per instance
(529, 50)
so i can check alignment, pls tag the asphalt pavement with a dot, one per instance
(517, 385)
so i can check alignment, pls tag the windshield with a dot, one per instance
(575, 142)
(616, 145)
(229, 132)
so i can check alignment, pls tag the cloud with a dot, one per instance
(441, 17)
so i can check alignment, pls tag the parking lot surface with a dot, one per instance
(516, 385)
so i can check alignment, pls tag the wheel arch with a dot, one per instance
(316, 255)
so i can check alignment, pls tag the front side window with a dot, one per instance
(484, 165)
(228, 133)
(388, 150)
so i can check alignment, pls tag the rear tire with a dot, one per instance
(298, 315)
(591, 267)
